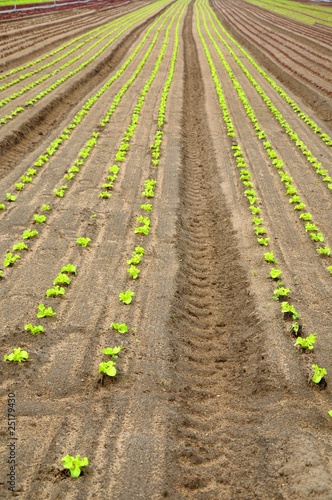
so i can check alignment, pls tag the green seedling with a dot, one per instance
(269, 257)
(120, 327)
(46, 208)
(2, 206)
(112, 351)
(139, 251)
(275, 273)
(254, 210)
(257, 220)
(114, 169)
(309, 227)
(147, 207)
(11, 197)
(55, 291)
(133, 271)
(34, 329)
(62, 279)
(135, 259)
(69, 268)
(317, 237)
(104, 195)
(306, 216)
(307, 342)
(83, 241)
(1, 273)
(319, 373)
(296, 328)
(126, 297)
(323, 250)
(300, 206)
(287, 308)
(20, 246)
(69, 176)
(142, 230)
(74, 464)
(39, 219)
(19, 186)
(259, 230)
(29, 233)
(329, 268)
(31, 172)
(17, 355)
(108, 368)
(10, 259)
(263, 241)
(281, 292)
(45, 311)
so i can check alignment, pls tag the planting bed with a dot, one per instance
(156, 151)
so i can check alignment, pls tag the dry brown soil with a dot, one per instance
(211, 399)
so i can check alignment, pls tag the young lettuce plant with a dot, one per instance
(29, 233)
(34, 329)
(83, 241)
(281, 292)
(323, 250)
(275, 273)
(45, 311)
(11, 197)
(147, 207)
(318, 374)
(133, 271)
(10, 259)
(55, 291)
(20, 246)
(307, 342)
(126, 297)
(74, 464)
(109, 368)
(112, 351)
(46, 208)
(288, 309)
(18, 355)
(69, 268)
(120, 327)
(62, 279)
(269, 257)
(39, 219)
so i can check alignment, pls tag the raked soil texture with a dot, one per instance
(190, 145)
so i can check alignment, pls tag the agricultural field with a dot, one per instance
(165, 252)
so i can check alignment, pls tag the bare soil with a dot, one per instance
(211, 399)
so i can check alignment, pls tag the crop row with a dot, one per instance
(314, 162)
(294, 106)
(282, 292)
(277, 162)
(70, 74)
(47, 155)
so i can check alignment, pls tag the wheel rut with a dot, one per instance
(214, 328)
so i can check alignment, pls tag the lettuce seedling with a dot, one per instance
(108, 368)
(275, 273)
(62, 279)
(142, 230)
(317, 237)
(319, 373)
(269, 257)
(254, 210)
(300, 206)
(306, 216)
(45, 311)
(139, 251)
(83, 241)
(20, 246)
(263, 241)
(120, 327)
(10, 197)
(39, 219)
(329, 268)
(105, 195)
(19, 186)
(323, 250)
(114, 169)
(2, 206)
(17, 355)
(46, 208)
(133, 271)
(281, 292)
(309, 227)
(74, 464)
(55, 291)
(1, 273)
(287, 308)
(10, 259)
(330, 413)
(296, 328)
(29, 233)
(259, 230)
(257, 220)
(69, 268)
(135, 259)
(126, 297)
(307, 342)
(112, 351)
(147, 207)
(34, 329)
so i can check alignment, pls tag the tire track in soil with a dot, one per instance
(214, 330)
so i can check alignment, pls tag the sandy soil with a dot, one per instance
(211, 399)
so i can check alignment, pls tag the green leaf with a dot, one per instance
(10, 259)
(133, 271)
(20, 246)
(307, 342)
(108, 368)
(45, 311)
(112, 351)
(29, 233)
(17, 355)
(69, 268)
(126, 297)
(62, 279)
(74, 464)
(39, 219)
(34, 329)
(83, 241)
(275, 273)
(319, 373)
(269, 257)
(55, 291)
(120, 327)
